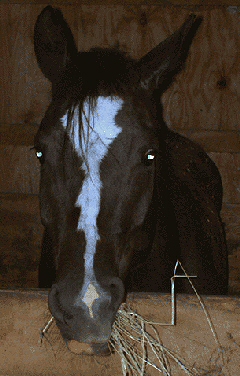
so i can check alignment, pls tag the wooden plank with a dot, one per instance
(229, 167)
(231, 219)
(23, 313)
(182, 3)
(206, 94)
(20, 240)
(19, 167)
(21, 80)
(17, 135)
(215, 141)
(19, 170)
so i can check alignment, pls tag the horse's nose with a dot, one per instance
(101, 299)
(87, 318)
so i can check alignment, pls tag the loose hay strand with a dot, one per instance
(46, 327)
(210, 323)
(214, 333)
(143, 347)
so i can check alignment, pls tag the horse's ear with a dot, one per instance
(53, 43)
(161, 64)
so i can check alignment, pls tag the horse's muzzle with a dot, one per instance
(86, 329)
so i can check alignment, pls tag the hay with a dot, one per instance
(137, 340)
(139, 345)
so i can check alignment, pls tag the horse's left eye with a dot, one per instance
(39, 155)
(149, 157)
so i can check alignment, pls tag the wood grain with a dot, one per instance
(206, 94)
(215, 141)
(178, 3)
(19, 167)
(20, 240)
(231, 219)
(229, 166)
(21, 79)
(16, 135)
(19, 170)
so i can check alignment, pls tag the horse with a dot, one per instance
(122, 197)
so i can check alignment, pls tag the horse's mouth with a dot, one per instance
(101, 349)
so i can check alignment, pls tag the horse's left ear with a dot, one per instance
(161, 64)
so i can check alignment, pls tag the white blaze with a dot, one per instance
(90, 296)
(98, 132)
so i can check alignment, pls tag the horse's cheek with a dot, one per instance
(140, 201)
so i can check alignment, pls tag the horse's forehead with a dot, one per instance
(93, 125)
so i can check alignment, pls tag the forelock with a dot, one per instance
(99, 72)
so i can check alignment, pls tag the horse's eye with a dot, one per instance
(39, 156)
(149, 157)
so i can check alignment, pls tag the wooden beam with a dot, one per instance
(21, 238)
(182, 3)
(18, 134)
(24, 313)
(214, 140)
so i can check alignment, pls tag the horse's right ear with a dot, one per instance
(53, 43)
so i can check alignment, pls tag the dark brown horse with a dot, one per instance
(122, 197)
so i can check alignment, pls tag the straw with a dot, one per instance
(139, 349)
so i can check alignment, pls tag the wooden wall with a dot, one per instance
(203, 104)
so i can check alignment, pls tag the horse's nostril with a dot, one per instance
(116, 284)
(116, 288)
(54, 304)
(67, 317)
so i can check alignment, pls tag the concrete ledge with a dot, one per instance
(24, 312)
